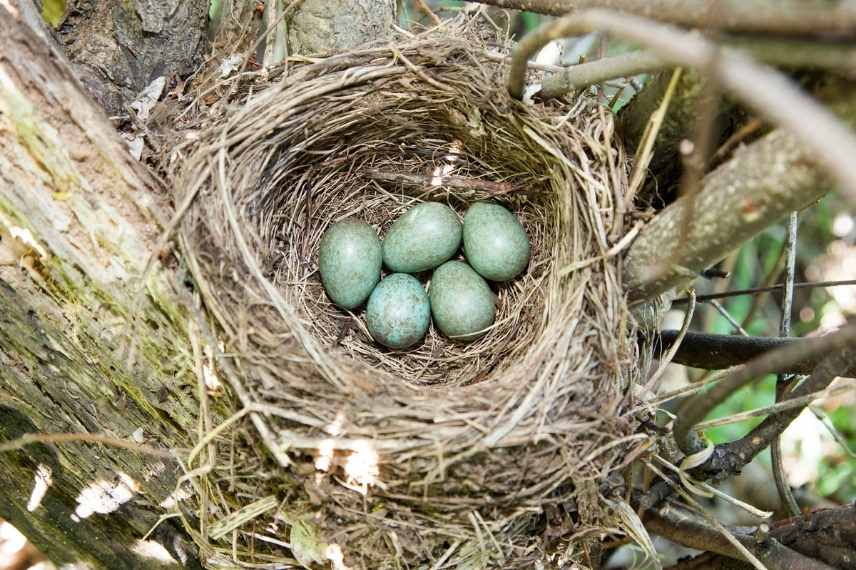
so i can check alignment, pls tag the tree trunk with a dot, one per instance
(78, 353)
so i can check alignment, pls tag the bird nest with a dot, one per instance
(448, 452)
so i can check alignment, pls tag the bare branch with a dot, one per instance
(780, 52)
(580, 76)
(696, 408)
(680, 525)
(775, 17)
(761, 183)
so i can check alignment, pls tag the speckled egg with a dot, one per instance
(398, 311)
(349, 260)
(423, 238)
(495, 242)
(461, 301)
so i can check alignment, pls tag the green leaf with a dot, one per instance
(306, 544)
(53, 12)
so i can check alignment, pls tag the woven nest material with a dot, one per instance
(448, 452)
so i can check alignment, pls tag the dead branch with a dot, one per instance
(782, 17)
(697, 407)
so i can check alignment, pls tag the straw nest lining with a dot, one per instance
(410, 455)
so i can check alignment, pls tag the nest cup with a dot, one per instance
(447, 449)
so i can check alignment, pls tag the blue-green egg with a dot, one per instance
(398, 312)
(495, 242)
(423, 238)
(349, 260)
(461, 301)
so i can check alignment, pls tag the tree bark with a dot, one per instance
(78, 219)
(759, 185)
(119, 47)
(320, 26)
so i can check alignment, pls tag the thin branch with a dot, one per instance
(682, 526)
(731, 457)
(697, 407)
(585, 74)
(784, 490)
(739, 292)
(774, 17)
(788, 53)
(727, 316)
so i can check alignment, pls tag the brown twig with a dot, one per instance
(696, 408)
(460, 182)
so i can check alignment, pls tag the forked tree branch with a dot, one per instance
(817, 136)
(731, 457)
(835, 344)
(826, 536)
(773, 17)
(779, 52)
(821, 539)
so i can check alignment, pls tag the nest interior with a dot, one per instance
(418, 455)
